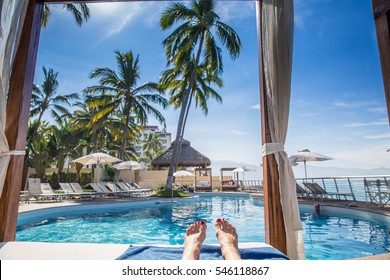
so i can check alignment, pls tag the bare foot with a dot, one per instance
(193, 240)
(228, 239)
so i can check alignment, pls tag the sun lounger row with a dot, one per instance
(44, 192)
(315, 191)
(120, 189)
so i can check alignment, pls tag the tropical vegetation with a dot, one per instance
(80, 12)
(190, 46)
(109, 115)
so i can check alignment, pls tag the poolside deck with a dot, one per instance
(34, 250)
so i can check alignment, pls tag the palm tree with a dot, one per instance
(152, 147)
(120, 93)
(40, 150)
(80, 12)
(46, 98)
(200, 24)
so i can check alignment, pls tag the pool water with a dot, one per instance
(326, 235)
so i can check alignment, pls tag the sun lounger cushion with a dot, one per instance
(208, 252)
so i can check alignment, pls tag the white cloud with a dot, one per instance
(363, 124)
(257, 106)
(365, 156)
(378, 136)
(117, 16)
(357, 104)
(378, 110)
(236, 132)
(230, 11)
(305, 115)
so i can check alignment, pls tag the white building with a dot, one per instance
(164, 136)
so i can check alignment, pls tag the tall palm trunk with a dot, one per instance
(180, 125)
(38, 123)
(125, 131)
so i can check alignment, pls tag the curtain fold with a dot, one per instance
(277, 45)
(11, 22)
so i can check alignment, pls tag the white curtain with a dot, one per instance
(277, 44)
(11, 22)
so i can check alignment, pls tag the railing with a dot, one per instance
(251, 185)
(359, 186)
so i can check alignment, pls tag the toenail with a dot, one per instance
(218, 220)
(203, 222)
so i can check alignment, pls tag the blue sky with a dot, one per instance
(337, 103)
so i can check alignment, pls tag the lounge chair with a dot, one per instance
(102, 186)
(115, 189)
(78, 189)
(67, 188)
(135, 186)
(301, 192)
(97, 189)
(318, 191)
(124, 187)
(48, 192)
(41, 191)
(24, 197)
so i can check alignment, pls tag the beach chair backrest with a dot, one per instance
(112, 187)
(76, 187)
(319, 188)
(123, 186)
(66, 187)
(34, 186)
(300, 189)
(103, 187)
(312, 188)
(46, 188)
(96, 187)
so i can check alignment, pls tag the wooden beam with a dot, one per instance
(275, 233)
(381, 10)
(380, 7)
(18, 106)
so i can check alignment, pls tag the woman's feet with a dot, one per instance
(226, 234)
(193, 240)
(228, 239)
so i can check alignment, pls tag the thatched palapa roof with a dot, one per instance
(188, 157)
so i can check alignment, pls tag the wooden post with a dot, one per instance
(275, 233)
(381, 9)
(18, 106)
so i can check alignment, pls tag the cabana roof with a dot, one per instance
(188, 157)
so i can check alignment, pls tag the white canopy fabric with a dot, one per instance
(277, 44)
(129, 165)
(183, 173)
(12, 17)
(306, 155)
(242, 169)
(96, 158)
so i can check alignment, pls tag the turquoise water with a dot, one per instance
(326, 236)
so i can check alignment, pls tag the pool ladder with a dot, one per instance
(197, 201)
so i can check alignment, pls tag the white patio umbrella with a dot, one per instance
(96, 158)
(182, 173)
(133, 165)
(242, 169)
(304, 156)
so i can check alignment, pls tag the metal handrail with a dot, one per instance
(356, 186)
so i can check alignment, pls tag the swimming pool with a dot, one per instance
(328, 235)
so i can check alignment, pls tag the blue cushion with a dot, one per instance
(208, 252)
